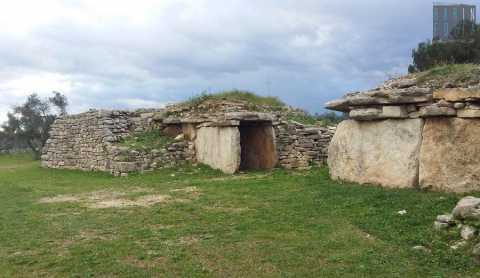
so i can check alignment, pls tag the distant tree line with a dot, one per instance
(28, 124)
(330, 118)
(464, 47)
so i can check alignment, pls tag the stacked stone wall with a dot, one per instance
(91, 141)
(299, 147)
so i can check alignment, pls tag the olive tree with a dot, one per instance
(31, 121)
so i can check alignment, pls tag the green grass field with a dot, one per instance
(201, 223)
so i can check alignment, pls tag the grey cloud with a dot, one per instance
(306, 52)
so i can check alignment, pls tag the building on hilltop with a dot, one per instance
(446, 17)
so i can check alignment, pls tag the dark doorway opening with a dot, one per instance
(257, 142)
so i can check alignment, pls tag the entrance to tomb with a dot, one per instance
(257, 142)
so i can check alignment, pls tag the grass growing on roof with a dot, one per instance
(146, 141)
(237, 95)
(456, 74)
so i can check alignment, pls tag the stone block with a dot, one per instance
(381, 152)
(468, 113)
(449, 154)
(366, 114)
(436, 111)
(394, 112)
(219, 147)
(457, 94)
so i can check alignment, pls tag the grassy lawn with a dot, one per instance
(201, 223)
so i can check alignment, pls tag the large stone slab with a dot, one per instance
(412, 95)
(219, 147)
(450, 155)
(457, 94)
(468, 113)
(381, 152)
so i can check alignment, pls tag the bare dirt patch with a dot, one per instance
(193, 191)
(60, 199)
(116, 199)
(241, 177)
(227, 209)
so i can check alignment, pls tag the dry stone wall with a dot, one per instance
(91, 141)
(405, 135)
(299, 146)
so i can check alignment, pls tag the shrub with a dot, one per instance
(463, 49)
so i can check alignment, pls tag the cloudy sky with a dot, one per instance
(129, 54)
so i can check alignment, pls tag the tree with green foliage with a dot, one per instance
(462, 49)
(330, 118)
(31, 121)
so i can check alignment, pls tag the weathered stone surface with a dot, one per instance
(248, 116)
(411, 95)
(467, 208)
(437, 225)
(446, 218)
(219, 147)
(436, 111)
(468, 113)
(379, 113)
(404, 83)
(392, 112)
(449, 154)
(468, 232)
(457, 94)
(89, 141)
(381, 152)
(365, 114)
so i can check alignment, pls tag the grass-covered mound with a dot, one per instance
(456, 75)
(237, 95)
(196, 222)
(266, 104)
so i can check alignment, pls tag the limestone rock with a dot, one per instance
(365, 114)
(468, 232)
(391, 112)
(437, 225)
(373, 113)
(459, 244)
(219, 147)
(459, 105)
(404, 83)
(449, 154)
(467, 208)
(457, 94)
(468, 113)
(436, 111)
(446, 218)
(382, 97)
(381, 152)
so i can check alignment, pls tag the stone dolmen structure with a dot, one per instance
(226, 135)
(409, 134)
